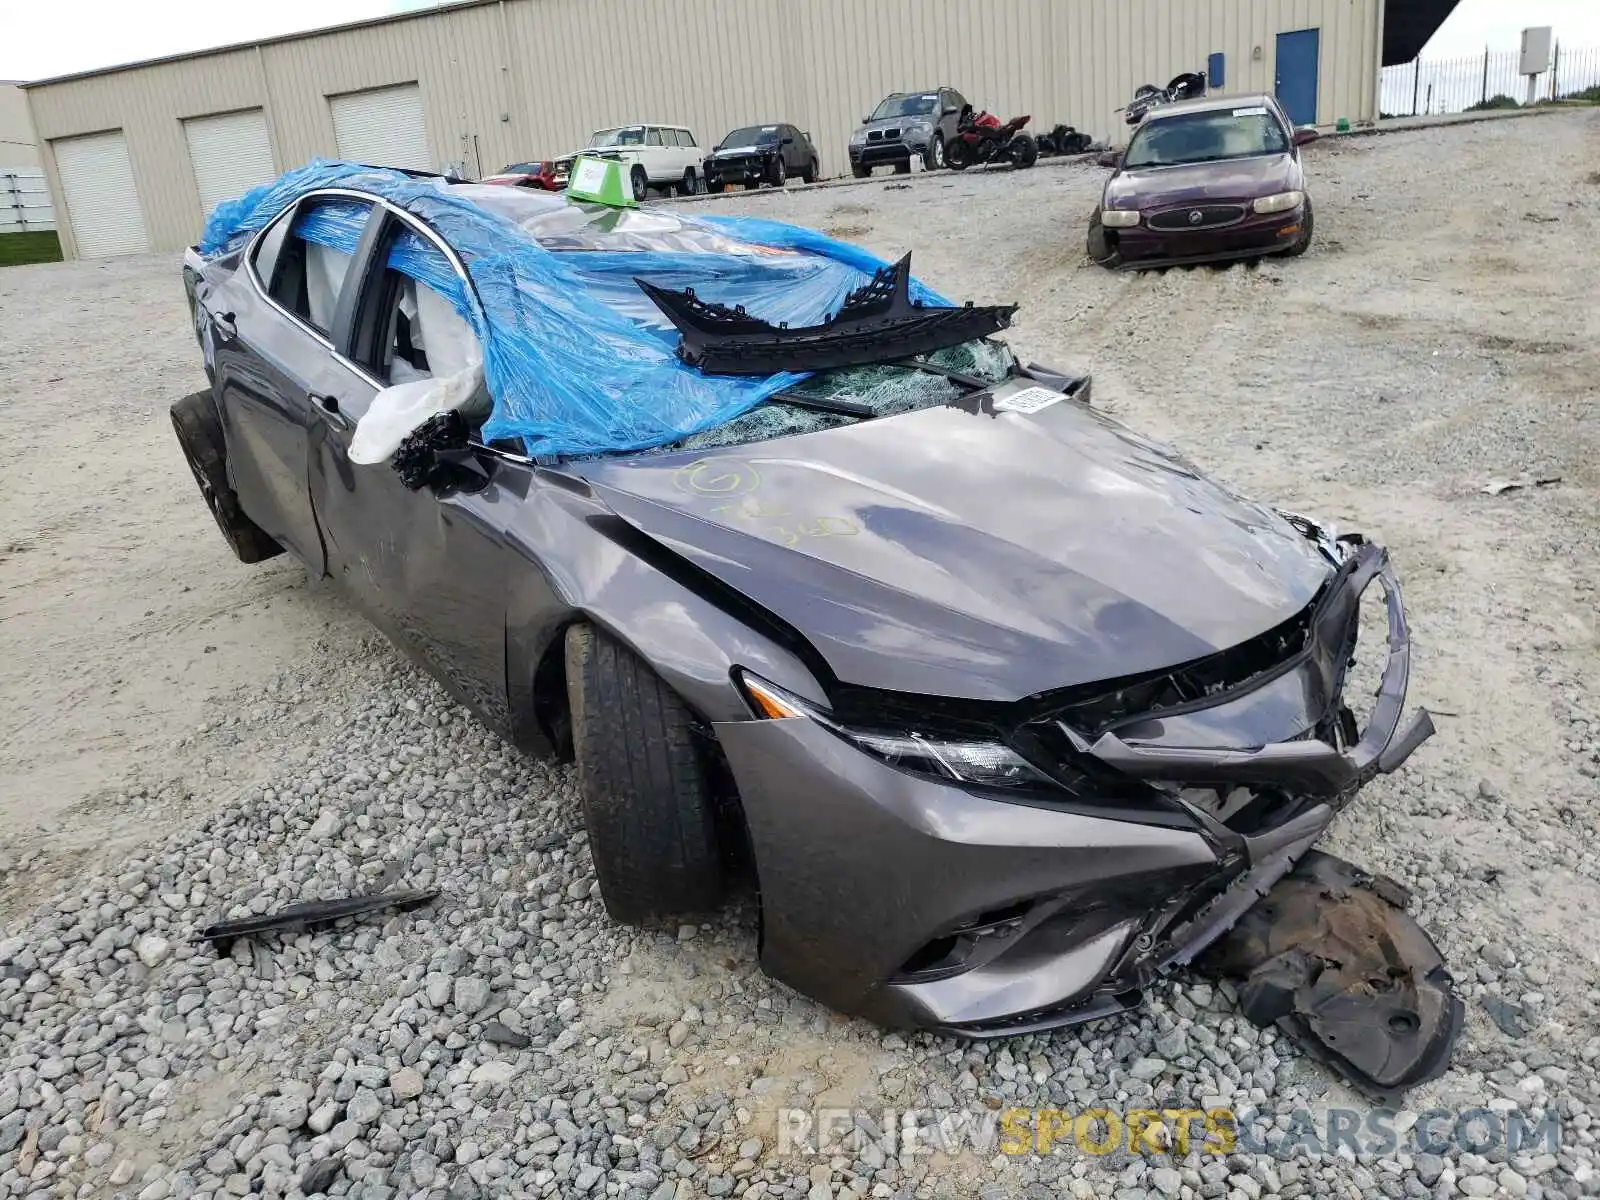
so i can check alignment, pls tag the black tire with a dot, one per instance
(194, 420)
(958, 155)
(646, 799)
(935, 156)
(689, 185)
(1102, 249)
(780, 172)
(1025, 151)
(811, 172)
(1303, 242)
(641, 183)
(861, 172)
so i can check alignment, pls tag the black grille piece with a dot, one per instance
(1198, 216)
(878, 322)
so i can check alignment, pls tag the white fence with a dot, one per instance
(24, 201)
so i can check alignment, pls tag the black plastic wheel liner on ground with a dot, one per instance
(1330, 956)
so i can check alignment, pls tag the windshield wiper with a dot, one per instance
(825, 404)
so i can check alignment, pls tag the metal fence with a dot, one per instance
(1449, 85)
(25, 201)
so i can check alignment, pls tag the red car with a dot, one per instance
(1205, 181)
(540, 175)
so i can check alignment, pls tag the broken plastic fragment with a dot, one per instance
(1330, 956)
(296, 917)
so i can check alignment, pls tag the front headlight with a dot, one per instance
(858, 137)
(1119, 218)
(980, 764)
(1282, 202)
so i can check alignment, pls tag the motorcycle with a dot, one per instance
(1191, 85)
(982, 138)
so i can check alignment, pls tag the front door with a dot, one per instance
(429, 567)
(1295, 81)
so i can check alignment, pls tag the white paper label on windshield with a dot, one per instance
(1028, 400)
(1258, 111)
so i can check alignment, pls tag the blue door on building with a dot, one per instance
(1296, 82)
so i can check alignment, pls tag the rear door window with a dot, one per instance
(652, 137)
(313, 259)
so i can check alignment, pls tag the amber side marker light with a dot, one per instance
(768, 702)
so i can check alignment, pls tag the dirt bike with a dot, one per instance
(982, 138)
(1188, 86)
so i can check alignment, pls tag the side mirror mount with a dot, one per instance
(1304, 135)
(788, 141)
(1110, 159)
(864, 120)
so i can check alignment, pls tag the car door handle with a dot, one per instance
(223, 322)
(328, 406)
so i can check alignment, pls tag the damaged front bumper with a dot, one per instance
(917, 902)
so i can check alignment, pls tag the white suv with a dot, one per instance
(655, 156)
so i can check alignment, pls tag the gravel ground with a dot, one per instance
(181, 736)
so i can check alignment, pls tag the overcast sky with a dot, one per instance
(53, 37)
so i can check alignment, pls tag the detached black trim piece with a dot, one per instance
(297, 917)
(878, 322)
(1330, 956)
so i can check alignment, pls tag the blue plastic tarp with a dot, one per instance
(576, 358)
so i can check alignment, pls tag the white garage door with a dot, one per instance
(383, 128)
(102, 203)
(230, 155)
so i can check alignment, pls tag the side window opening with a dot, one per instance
(411, 328)
(652, 137)
(310, 268)
(270, 247)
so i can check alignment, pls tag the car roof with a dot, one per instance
(1211, 104)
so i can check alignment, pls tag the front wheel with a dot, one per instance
(641, 183)
(780, 173)
(936, 155)
(646, 797)
(958, 155)
(1303, 242)
(811, 172)
(1024, 151)
(689, 185)
(1101, 246)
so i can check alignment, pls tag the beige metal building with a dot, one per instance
(136, 155)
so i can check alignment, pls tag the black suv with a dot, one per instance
(903, 124)
(758, 154)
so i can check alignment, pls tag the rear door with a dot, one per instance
(428, 566)
(274, 361)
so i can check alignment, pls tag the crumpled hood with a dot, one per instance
(1234, 179)
(961, 551)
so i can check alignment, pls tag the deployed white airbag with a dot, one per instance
(454, 377)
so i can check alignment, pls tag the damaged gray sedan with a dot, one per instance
(1004, 709)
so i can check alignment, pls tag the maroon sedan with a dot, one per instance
(1205, 181)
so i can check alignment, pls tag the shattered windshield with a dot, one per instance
(884, 390)
(1206, 137)
(631, 135)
